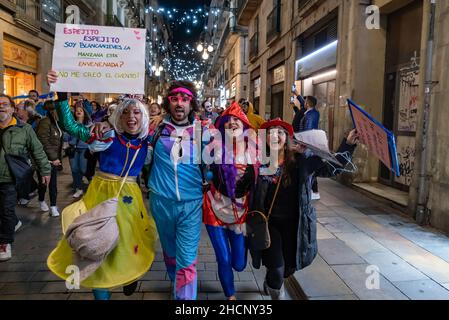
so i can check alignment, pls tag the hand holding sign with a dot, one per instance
(97, 59)
(375, 136)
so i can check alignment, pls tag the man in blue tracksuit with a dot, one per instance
(176, 188)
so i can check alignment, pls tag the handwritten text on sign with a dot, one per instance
(96, 59)
(373, 136)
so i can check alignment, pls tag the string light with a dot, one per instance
(181, 61)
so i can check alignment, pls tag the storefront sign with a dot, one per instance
(222, 98)
(257, 88)
(211, 92)
(233, 90)
(19, 57)
(279, 74)
(96, 59)
(318, 60)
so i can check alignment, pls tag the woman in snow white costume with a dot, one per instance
(134, 253)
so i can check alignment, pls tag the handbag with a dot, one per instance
(19, 167)
(78, 208)
(257, 226)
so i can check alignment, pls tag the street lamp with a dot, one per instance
(210, 48)
(205, 55)
(200, 47)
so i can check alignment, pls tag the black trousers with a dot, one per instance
(280, 257)
(8, 218)
(25, 192)
(52, 188)
(91, 164)
(314, 184)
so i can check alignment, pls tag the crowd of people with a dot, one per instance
(132, 146)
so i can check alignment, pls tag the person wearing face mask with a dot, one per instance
(284, 197)
(248, 108)
(33, 95)
(16, 139)
(122, 152)
(208, 113)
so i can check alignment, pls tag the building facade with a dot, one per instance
(227, 73)
(373, 52)
(159, 39)
(27, 36)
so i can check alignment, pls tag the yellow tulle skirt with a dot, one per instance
(133, 255)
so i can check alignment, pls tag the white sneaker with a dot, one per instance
(78, 193)
(54, 212)
(316, 196)
(23, 202)
(5, 252)
(44, 206)
(18, 225)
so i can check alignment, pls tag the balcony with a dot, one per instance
(274, 24)
(246, 10)
(28, 14)
(254, 47)
(8, 4)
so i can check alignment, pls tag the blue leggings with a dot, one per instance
(231, 252)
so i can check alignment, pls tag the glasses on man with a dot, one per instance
(4, 104)
(174, 99)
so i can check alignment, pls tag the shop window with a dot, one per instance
(18, 83)
(51, 13)
(274, 22)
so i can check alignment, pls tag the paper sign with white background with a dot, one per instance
(97, 59)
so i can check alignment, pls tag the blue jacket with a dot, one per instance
(177, 181)
(40, 109)
(299, 114)
(310, 120)
(75, 142)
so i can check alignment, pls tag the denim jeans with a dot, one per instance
(8, 218)
(78, 164)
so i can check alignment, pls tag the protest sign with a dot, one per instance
(375, 136)
(97, 59)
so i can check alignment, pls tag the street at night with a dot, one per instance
(249, 150)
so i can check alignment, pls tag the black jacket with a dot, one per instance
(307, 246)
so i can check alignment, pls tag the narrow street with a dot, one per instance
(354, 232)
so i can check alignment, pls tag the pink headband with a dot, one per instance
(182, 90)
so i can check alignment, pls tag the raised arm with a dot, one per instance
(66, 120)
